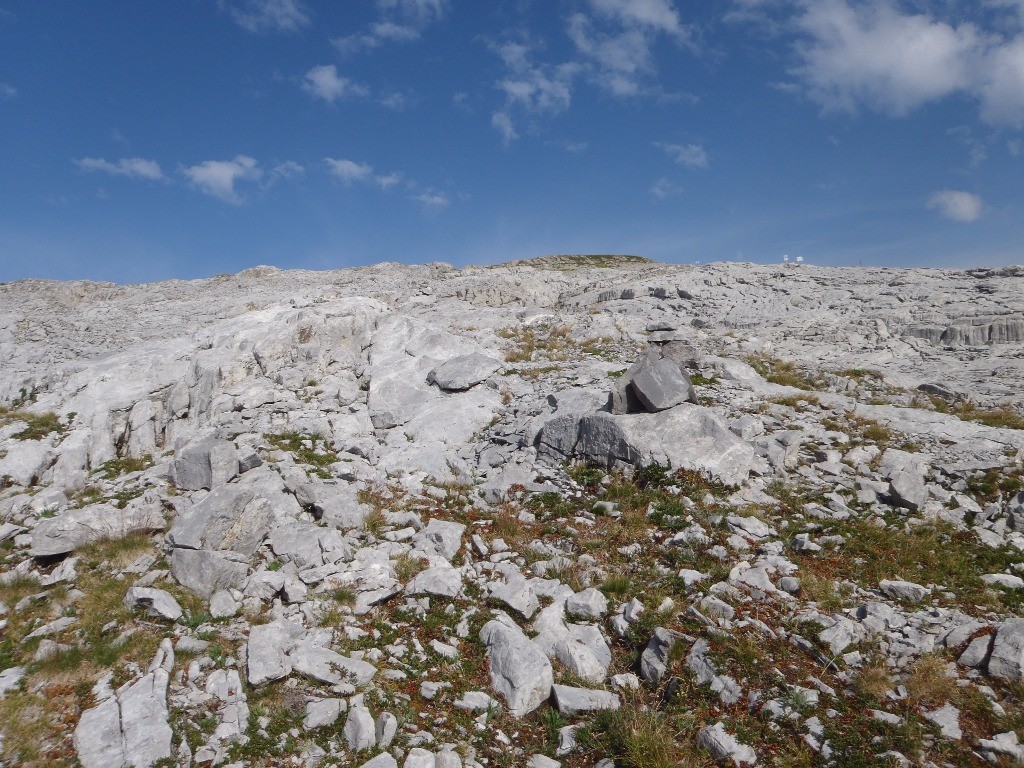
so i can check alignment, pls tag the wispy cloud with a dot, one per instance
(325, 83)
(688, 155)
(7, 91)
(289, 169)
(619, 52)
(400, 21)
(663, 188)
(271, 15)
(375, 36)
(956, 205)
(434, 200)
(131, 167)
(217, 178)
(503, 124)
(350, 172)
(530, 88)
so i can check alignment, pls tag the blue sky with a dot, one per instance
(142, 141)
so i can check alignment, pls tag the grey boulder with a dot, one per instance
(461, 373)
(1007, 659)
(204, 463)
(157, 603)
(520, 671)
(76, 528)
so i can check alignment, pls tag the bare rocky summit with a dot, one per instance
(579, 511)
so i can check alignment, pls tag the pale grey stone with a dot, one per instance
(157, 603)
(654, 659)
(904, 590)
(419, 758)
(1007, 659)
(574, 701)
(204, 463)
(223, 605)
(947, 717)
(267, 651)
(204, 572)
(461, 373)
(323, 712)
(440, 580)
(360, 729)
(724, 746)
(442, 536)
(329, 667)
(520, 671)
(383, 760)
(589, 604)
(76, 528)
(230, 518)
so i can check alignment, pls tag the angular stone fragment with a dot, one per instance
(230, 518)
(204, 463)
(75, 528)
(574, 701)
(724, 746)
(520, 671)
(904, 590)
(662, 385)
(654, 659)
(157, 603)
(685, 437)
(360, 730)
(1007, 659)
(460, 373)
(589, 604)
(204, 572)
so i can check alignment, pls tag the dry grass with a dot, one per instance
(929, 683)
(874, 682)
(26, 722)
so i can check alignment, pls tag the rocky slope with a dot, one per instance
(582, 511)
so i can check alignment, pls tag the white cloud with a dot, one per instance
(1013, 146)
(387, 181)
(288, 169)
(375, 36)
(504, 125)
(7, 91)
(689, 155)
(423, 11)
(131, 167)
(394, 101)
(531, 88)
(271, 16)
(658, 15)
(325, 83)
(350, 171)
(433, 199)
(400, 21)
(956, 205)
(663, 188)
(217, 178)
(877, 55)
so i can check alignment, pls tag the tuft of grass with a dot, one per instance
(640, 738)
(37, 425)
(929, 683)
(344, 596)
(785, 373)
(117, 467)
(406, 567)
(303, 447)
(1002, 417)
(873, 682)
